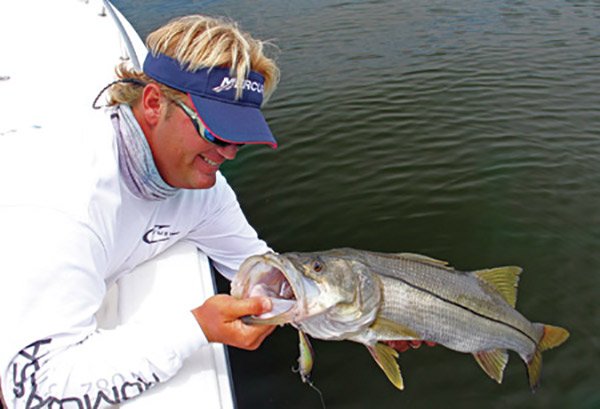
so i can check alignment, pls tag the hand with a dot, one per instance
(403, 346)
(219, 318)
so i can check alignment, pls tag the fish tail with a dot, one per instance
(550, 337)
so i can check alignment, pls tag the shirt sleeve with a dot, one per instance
(224, 233)
(51, 353)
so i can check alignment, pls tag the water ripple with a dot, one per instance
(467, 131)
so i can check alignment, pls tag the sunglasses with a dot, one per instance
(202, 131)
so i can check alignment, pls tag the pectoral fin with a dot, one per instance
(385, 357)
(389, 329)
(492, 362)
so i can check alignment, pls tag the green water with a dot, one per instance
(464, 130)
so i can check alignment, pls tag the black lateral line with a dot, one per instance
(416, 287)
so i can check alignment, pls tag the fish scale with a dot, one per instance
(453, 324)
(452, 285)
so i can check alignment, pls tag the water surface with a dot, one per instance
(468, 131)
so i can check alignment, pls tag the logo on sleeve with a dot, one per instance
(160, 232)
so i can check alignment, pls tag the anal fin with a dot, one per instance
(492, 362)
(386, 358)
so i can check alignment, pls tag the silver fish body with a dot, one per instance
(369, 297)
(452, 308)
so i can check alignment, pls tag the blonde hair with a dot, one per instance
(199, 41)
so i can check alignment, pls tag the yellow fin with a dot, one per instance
(552, 337)
(534, 370)
(386, 356)
(492, 362)
(391, 330)
(504, 280)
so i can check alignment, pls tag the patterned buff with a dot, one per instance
(136, 163)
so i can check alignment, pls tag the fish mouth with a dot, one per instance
(276, 278)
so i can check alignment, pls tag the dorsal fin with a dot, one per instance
(424, 259)
(504, 280)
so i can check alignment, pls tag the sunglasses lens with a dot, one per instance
(209, 137)
(213, 139)
(202, 131)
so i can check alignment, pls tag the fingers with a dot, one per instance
(400, 346)
(219, 318)
(403, 346)
(415, 344)
(249, 306)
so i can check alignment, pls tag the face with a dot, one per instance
(183, 158)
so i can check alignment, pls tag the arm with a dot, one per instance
(223, 232)
(53, 352)
(225, 235)
(106, 368)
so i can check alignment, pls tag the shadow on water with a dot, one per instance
(465, 131)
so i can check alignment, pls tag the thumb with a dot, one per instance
(251, 306)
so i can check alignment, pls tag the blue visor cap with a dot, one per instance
(213, 90)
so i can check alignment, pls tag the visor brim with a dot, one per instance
(237, 124)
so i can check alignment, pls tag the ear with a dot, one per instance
(151, 104)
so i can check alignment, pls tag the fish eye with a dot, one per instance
(317, 266)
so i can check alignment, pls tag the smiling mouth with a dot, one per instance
(210, 162)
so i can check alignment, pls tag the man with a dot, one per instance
(93, 205)
(81, 208)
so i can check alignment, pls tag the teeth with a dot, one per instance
(210, 162)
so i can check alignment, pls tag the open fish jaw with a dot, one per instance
(268, 276)
(258, 276)
(294, 296)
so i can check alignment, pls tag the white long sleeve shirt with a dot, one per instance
(69, 229)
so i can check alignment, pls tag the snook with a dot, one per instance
(368, 297)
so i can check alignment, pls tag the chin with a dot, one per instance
(205, 182)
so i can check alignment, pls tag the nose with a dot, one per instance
(229, 152)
